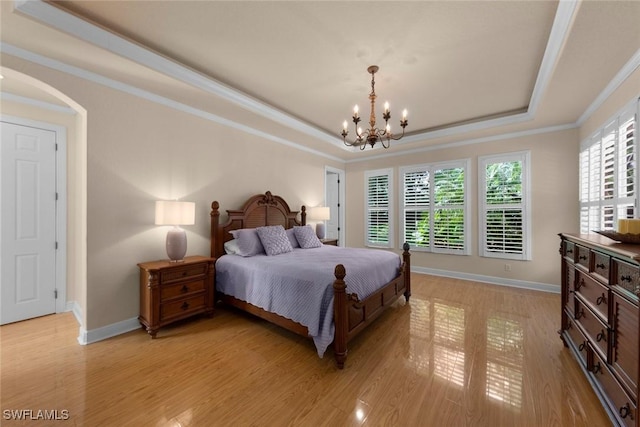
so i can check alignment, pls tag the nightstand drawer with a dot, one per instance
(182, 273)
(180, 289)
(182, 307)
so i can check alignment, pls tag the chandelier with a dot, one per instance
(372, 135)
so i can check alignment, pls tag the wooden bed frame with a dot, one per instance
(351, 315)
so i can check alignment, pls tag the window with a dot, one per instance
(608, 173)
(378, 202)
(434, 207)
(504, 210)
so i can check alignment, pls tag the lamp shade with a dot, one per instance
(172, 212)
(320, 213)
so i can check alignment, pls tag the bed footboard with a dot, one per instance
(352, 315)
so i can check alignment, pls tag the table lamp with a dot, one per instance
(320, 213)
(173, 212)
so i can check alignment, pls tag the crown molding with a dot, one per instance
(68, 23)
(149, 96)
(7, 96)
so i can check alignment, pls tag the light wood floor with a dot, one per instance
(460, 354)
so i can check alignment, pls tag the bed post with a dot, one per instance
(303, 215)
(215, 219)
(406, 257)
(340, 316)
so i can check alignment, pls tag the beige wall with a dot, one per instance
(554, 204)
(139, 152)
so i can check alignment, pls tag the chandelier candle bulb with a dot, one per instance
(386, 107)
(404, 114)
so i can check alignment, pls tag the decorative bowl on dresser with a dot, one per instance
(600, 287)
(172, 291)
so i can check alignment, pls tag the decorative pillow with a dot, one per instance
(307, 237)
(231, 247)
(292, 238)
(274, 239)
(248, 242)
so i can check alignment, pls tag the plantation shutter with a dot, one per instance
(448, 215)
(378, 231)
(504, 206)
(416, 208)
(434, 207)
(608, 173)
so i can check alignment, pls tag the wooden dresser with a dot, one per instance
(600, 287)
(171, 291)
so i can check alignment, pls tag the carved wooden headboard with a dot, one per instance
(260, 210)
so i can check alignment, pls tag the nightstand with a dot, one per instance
(333, 242)
(172, 291)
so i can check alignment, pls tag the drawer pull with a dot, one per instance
(601, 336)
(579, 284)
(583, 257)
(625, 411)
(600, 266)
(184, 289)
(597, 368)
(579, 314)
(601, 299)
(582, 346)
(569, 251)
(625, 279)
(185, 305)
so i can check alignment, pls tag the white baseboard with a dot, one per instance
(87, 337)
(501, 281)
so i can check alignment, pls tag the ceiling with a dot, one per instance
(295, 69)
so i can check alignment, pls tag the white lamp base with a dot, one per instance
(321, 230)
(176, 244)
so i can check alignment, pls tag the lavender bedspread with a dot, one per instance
(299, 285)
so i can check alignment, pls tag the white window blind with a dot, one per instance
(608, 173)
(378, 201)
(434, 207)
(504, 206)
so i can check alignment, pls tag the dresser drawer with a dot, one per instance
(182, 307)
(182, 273)
(594, 294)
(582, 256)
(579, 341)
(626, 276)
(596, 331)
(617, 399)
(569, 250)
(181, 289)
(624, 357)
(601, 266)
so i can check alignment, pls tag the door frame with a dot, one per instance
(341, 200)
(61, 202)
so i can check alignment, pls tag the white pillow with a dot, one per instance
(248, 241)
(231, 247)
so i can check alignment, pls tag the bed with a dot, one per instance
(350, 302)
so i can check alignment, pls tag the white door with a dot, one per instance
(28, 222)
(333, 202)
